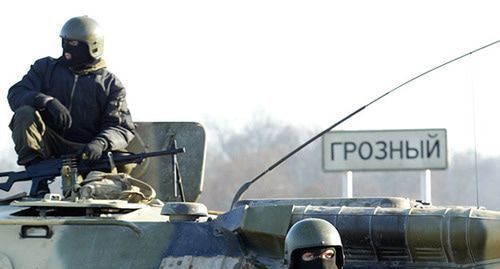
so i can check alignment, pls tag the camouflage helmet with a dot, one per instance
(310, 233)
(86, 30)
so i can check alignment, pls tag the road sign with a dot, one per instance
(385, 150)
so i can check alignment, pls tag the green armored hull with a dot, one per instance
(390, 233)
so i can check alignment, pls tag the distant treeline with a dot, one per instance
(234, 157)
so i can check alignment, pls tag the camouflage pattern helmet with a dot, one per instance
(86, 30)
(311, 233)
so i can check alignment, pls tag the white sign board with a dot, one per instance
(385, 150)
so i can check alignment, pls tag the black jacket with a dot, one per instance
(96, 101)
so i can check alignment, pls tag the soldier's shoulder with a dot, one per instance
(45, 61)
(110, 77)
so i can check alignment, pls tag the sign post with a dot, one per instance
(385, 150)
(425, 186)
(347, 185)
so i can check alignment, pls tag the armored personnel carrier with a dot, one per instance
(160, 224)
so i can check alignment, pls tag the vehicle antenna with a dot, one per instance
(246, 185)
(474, 133)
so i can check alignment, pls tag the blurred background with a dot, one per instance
(264, 76)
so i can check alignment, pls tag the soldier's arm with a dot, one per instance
(27, 92)
(116, 123)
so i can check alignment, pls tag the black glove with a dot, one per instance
(59, 113)
(93, 150)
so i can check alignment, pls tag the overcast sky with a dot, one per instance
(308, 63)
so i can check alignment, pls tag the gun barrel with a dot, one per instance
(137, 158)
(162, 152)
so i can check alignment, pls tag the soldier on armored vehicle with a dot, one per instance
(71, 105)
(313, 244)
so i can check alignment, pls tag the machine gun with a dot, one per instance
(51, 168)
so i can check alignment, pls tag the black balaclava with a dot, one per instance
(80, 55)
(317, 263)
